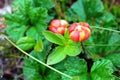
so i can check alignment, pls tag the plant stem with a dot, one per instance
(88, 60)
(105, 29)
(102, 45)
(38, 60)
(84, 51)
(83, 47)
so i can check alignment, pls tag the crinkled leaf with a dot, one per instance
(38, 15)
(38, 46)
(114, 58)
(32, 69)
(16, 31)
(57, 55)
(44, 3)
(36, 3)
(102, 70)
(109, 43)
(79, 67)
(48, 4)
(75, 67)
(29, 16)
(54, 38)
(26, 43)
(114, 40)
(51, 77)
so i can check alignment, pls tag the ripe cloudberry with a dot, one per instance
(58, 26)
(79, 31)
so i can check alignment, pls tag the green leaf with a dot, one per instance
(79, 67)
(44, 3)
(36, 3)
(57, 55)
(32, 32)
(49, 5)
(26, 43)
(36, 13)
(38, 46)
(54, 38)
(76, 12)
(50, 76)
(60, 52)
(78, 8)
(102, 70)
(32, 70)
(113, 40)
(29, 16)
(108, 19)
(76, 78)
(114, 58)
(73, 50)
(89, 11)
(16, 31)
(76, 67)
(66, 35)
(93, 7)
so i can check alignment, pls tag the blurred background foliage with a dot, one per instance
(98, 13)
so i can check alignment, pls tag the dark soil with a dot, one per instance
(11, 67)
